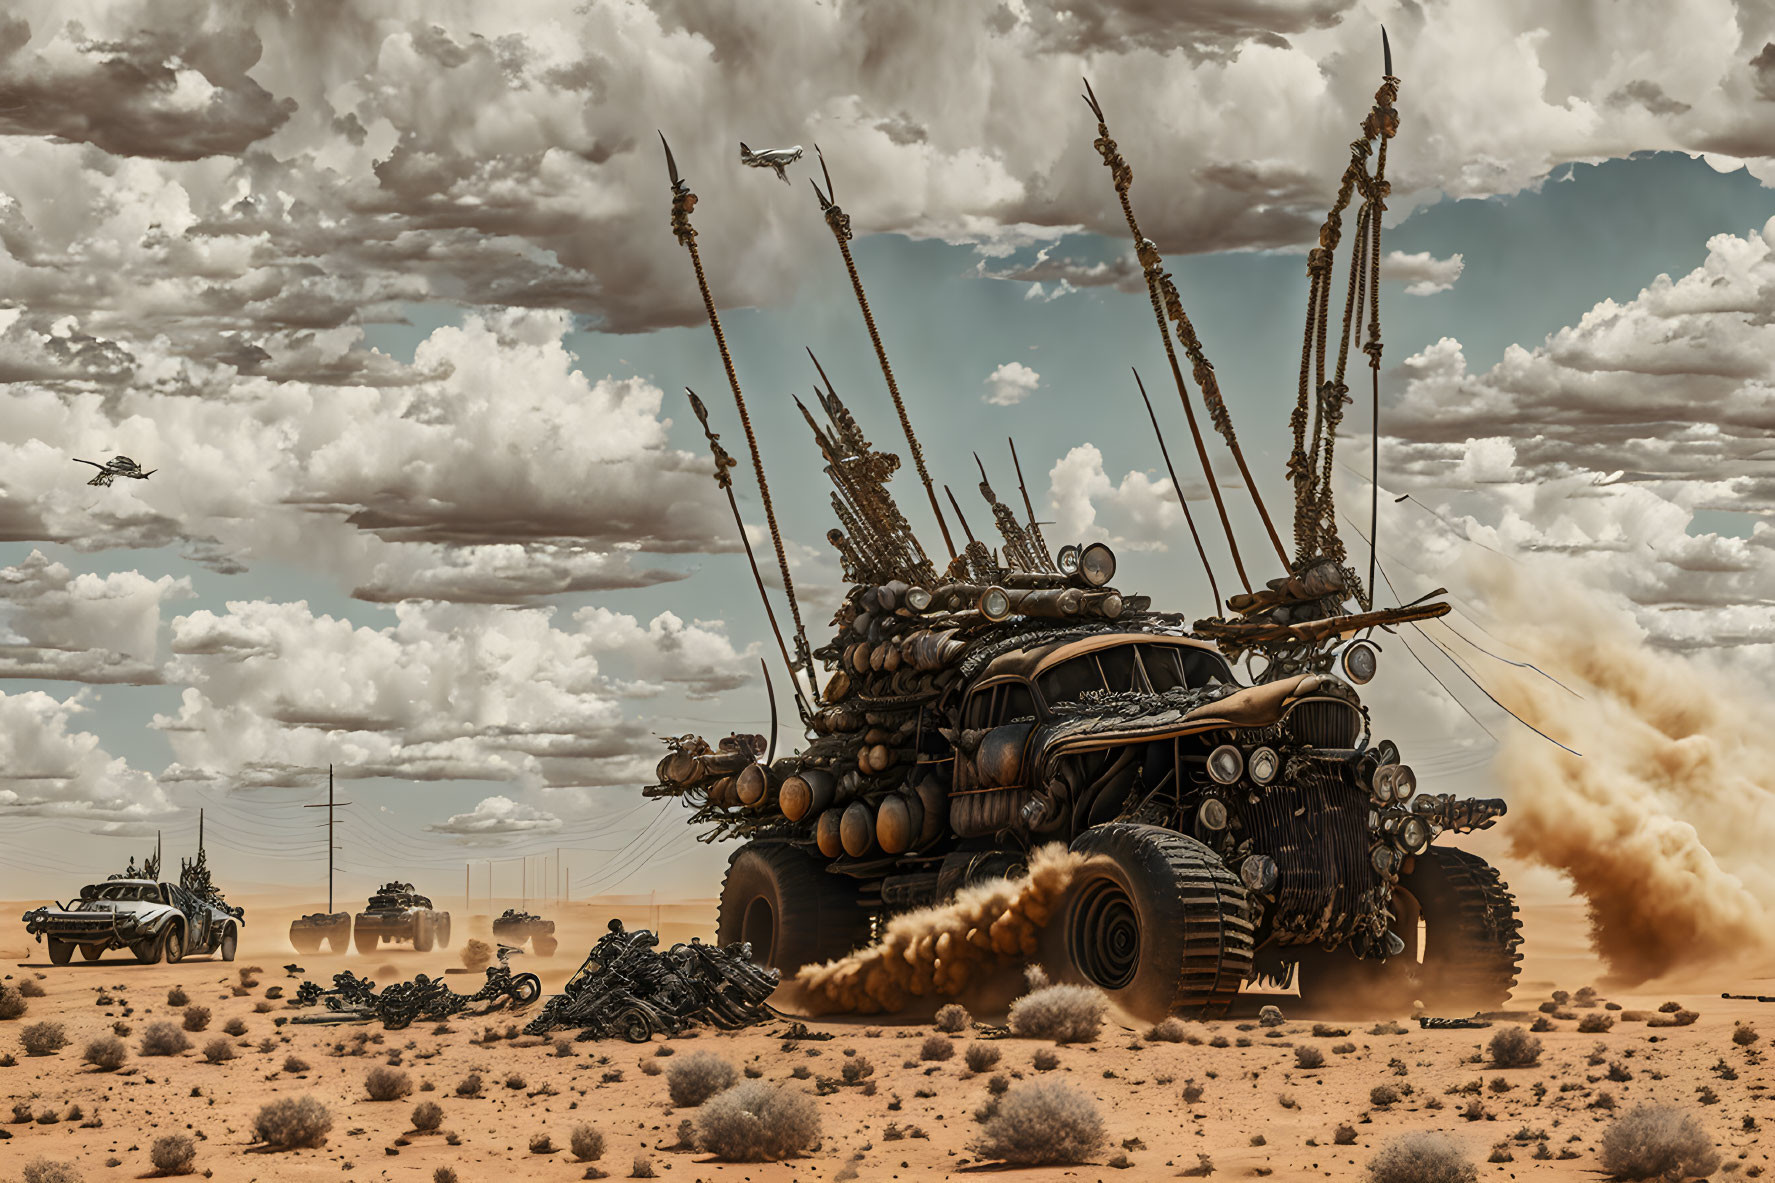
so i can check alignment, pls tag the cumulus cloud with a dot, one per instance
(446, 692)
(48, 767)
(81, 628)
(1422, 273)
(498, 817)
(1010, 384)
(1139, 512)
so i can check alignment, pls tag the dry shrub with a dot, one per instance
(12, 1003)
(643, 1168)
(295, 1065)
(952, 1018)
(197, 1018)
(541, 1144)
(1657, 1142)
(856, 1069)
(444, 1175)
(1743, 1034)
(1595, 1023)
(981, 1056)
(1383, 1095)
(757, 1122)
(1171, 1030)
(173, 1154)
(477, 955)
(936, 1047)
(427, 1116)
(695, 1078)
(1421, 1157)
(1512, 1047)
(43, 1170)
(1307, 1056)
(387, 1084)
(235, 1027)
(218, 1050)
(106, 1053)
(43, 1039)
(30, 987)
(470, 1085)
(1040, 1124)
(1065, 1014)
(586, 1143)
(292, 1122)
(177, 996)
(163, 1039)
(1045, 1059)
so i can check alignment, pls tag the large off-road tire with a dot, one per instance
(443, 933)
(60, 952)
(305, 939)
(1155, 920)
(172, 944)
(1472, 936)
(92, 952)
(1463, 960)
(366, 942)
(230, 943)
(789, 908)
(543, 946)
(424, 932)
(339, 936)
(147, 950)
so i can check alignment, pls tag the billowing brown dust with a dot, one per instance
(941, 951)
(1666, 823)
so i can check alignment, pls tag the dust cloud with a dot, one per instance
(1666, 824)
(941, 951)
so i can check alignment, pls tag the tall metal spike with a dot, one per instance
(839, 223)
(1386, 54)
(683, 202)
(1034, 529)
(1207, 568)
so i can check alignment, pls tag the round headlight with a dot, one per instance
(1097, 563)
(1359, 661)
(1259, 873)
(1387, 752)
(1385, 777)
(1225, 764)
(1384, 859)
(1405, 782)
(1264, 765)
(1068, 559)
(995, 604)
(1211, 814)
(1414, 835)
(918, 598)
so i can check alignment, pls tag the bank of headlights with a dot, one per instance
(1226, 764)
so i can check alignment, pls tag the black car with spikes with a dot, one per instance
(1249, 829)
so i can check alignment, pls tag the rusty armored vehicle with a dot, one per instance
(398, 914)
(1252, 824)
(513, 927)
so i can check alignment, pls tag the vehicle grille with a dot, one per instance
(62, 924)
(1325, 723)
(1315, 825)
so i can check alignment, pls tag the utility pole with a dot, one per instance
(468, 907)
(330, 806)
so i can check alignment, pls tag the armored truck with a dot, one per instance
(308, 933)
(154, 921)
(398, 914)
(513, 927)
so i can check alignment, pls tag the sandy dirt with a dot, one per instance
(917, 1122)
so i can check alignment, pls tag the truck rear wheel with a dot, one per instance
(230, 942)
(1156, 921)
(305, 939)
(92, 952)
(424, 932)
(339, 937)
(443, 936)
(789, 908)
(60, 952)
(366, 941)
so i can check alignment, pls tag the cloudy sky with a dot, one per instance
(386, 293)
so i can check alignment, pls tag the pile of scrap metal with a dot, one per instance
(355, 999)
(627, 989)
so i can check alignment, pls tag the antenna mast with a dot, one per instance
(330, 806)
(683, 201)
(840, 224)
(1175, 484)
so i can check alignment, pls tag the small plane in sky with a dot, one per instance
(777, 158)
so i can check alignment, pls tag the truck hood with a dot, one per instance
(1109, 720)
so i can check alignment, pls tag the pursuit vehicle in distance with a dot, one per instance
(400, 915)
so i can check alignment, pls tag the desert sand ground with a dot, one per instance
(917, 1123)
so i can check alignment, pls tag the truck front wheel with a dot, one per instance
(424, 932)
(793, 912)
(60, 952)
(230, 942)
(366, 941)
(1155, 920)
(92, 952)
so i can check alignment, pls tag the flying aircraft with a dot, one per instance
(777, 158)
(115, 467)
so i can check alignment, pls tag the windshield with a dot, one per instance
(1143, 668)
(130, 892)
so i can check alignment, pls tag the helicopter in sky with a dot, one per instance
(115, 467)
